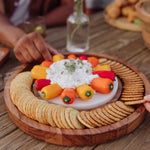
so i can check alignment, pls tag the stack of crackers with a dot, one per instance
(70, 118)
(133, 86)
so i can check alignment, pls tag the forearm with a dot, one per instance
(2, 10)
(59, 15)
(9, 34)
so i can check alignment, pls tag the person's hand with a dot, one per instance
(32, 47)
(147, 103)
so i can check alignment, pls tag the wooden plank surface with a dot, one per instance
(105, 39)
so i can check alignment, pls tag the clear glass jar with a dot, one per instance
(78, 29)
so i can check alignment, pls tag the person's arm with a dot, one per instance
(7, 30)
(59, 15)
(9, 34)
(2, 10)
(27, 47)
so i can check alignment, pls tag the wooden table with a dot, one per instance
(105, 39)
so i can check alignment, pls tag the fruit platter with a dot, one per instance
(77, 99)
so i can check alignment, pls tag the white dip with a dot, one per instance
(70, 73)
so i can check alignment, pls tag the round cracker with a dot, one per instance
(83, 116)
(73, 118)
(112, 113)
(102, 60)
(102, 115)
(83, 122)
(111, 117)
(131, 95)
(121, 110)
(63, 119)
(49, 115)
(124, 107)
(90, 119)
(67, 117)
(131, 98)
(55, 115)
(135, 102)
(116, 111)
(95, 118)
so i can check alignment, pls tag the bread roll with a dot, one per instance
(120, 3)
(132, 1)
(127, 10)
(113, 11)
(132, 16)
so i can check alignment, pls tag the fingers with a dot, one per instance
(21, 52)
(40, 44)
(52, 50)
(32, 47)
(26, 51)
(147, 98)
(25, 57)
(20, 57)
(147, 103)
(147, 106)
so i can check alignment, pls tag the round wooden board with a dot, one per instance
(76, 137)
(122, 23)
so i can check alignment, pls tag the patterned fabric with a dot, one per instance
(21, 13)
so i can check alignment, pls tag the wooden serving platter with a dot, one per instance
(122, 23)
(76, 137)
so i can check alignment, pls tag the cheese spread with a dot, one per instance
(70, 73)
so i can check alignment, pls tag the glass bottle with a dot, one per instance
(78, 29)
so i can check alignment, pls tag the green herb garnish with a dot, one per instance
(80, 62)
(70, 66)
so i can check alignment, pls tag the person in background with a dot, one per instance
(95, 5)
(98, 3)
(31, 47)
